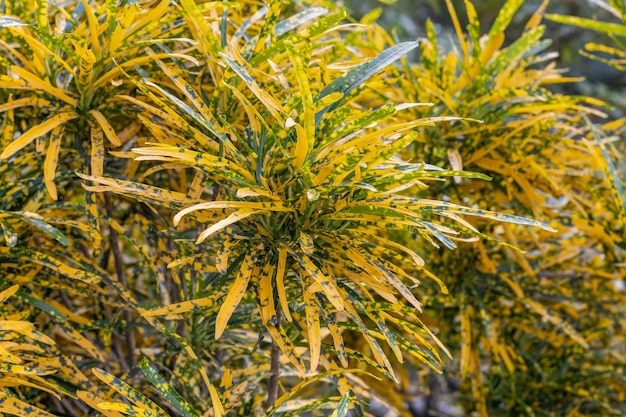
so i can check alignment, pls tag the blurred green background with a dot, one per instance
(406, 20)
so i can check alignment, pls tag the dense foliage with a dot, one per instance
(230, 208)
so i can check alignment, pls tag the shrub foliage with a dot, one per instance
(236, 208)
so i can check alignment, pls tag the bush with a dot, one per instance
(525, 327)
(223, 209)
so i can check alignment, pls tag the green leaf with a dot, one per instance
(51, 262)
(315, 29)
(39, 222)
(128, 392)
(504, 17)
(207, 124)
(313, 405)
(614, 177)
(581, 22)
(358, 75)
(514, 51)
(10, 21)
(299, 19)
(342, 407)
(167, 391)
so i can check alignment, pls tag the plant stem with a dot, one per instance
(121, 277)
(272, 389)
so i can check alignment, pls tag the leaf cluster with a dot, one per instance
(230, 208)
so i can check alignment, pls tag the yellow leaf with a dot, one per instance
(337, 340)
(256, 192)
(266, 304)
(123, 23)
(8, 292)
(129, 393)
(307, 243)
(22, 102)
(179, 308)
(280, 339)
(141, 190)
(226, 384)
(458, 29)
(302, 146)
(233, 218)
(299, 57)
(36, 83)
(52, 159)
(212, 205)
(92, 400)
(85, 72)
(313, 326)
(106, 127)
(37, 131)
(466, 340)
(94, 27)
(280, 282)
(491, 48)
(329, 287)
(537, 16)
(16, 407)
(201, 29)
(127, 409)
(235, 294)
(51, 263)
(218, 408)
(97, 152)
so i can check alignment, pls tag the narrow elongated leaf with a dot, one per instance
(35, 82)
(357, 76)
(313, 326)
(37, 131)
(167, 391)
(5, 294)
(48, 261)
(128, 409)
(270, 103)
(581, 22)
(106, 127)
(11, 21)
(14, 406)
(507, 11)
(327, 284)
(308, 381)
(233, 218)
(52, 160)
(342, 407)
(93, 401)
(39, 222)
(280, 282)
(292, 22)
(211, 45)
(235, 294)
(129, 393)
(166, 197)
(212, 205)
(315, 29)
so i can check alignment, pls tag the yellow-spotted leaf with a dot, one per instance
(235, 294)
(109, 132)
(52, 160)
(36, 131)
